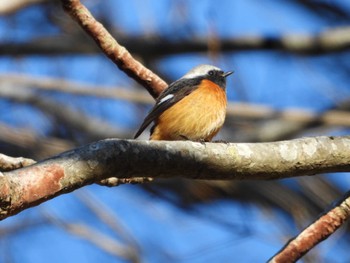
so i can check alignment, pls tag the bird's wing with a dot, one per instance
(173, 94)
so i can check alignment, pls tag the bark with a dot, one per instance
(116, 52)
(128, 159)
(318, 231)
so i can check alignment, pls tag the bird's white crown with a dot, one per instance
(200, 70)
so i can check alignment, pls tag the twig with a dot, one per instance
(95, 237)
(117, 53)
(91, 127)
(107, 217)
(318, 231)
(73, 88)
(115, 181)
(26, 139)
(235, 109)
(332, 40)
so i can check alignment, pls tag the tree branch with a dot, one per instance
(91, 127)
(97, 238)
(117, 53)
(318, 231)
(329, 41)
(11, 82)
(9, 7)
(29, 140)
(32, 185)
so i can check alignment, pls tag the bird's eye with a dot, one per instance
(211, 73)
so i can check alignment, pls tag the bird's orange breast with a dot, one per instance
(198, 116)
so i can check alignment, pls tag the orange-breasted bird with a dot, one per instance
(191, 108)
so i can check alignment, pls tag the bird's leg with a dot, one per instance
(184, 137)
(220, 141)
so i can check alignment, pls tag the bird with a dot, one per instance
(191, 108)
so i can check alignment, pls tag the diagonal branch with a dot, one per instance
(117, 53)
(32, 185)
(318, 231)
(97, 238)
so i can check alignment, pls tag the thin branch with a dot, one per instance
(29, 186)
(9, 7)
(318, 231)
(327, 11)
(91, 127)
(26, 139)
(236, 109)
(14, 80)
(108, 218)
(117, 53)
(97, 238)
(332, 40)
(115, 181)
(21, 225)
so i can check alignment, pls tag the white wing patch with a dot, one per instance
(167, 97)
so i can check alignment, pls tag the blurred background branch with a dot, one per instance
(156, 47)
(9, 7)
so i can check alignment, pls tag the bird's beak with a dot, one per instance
(228, 73)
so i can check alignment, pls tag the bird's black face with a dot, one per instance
(218, 77)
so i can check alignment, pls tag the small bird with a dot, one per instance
(191, 108)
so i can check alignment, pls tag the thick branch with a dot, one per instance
(117, 53)
(92, 163)
(318, 231)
